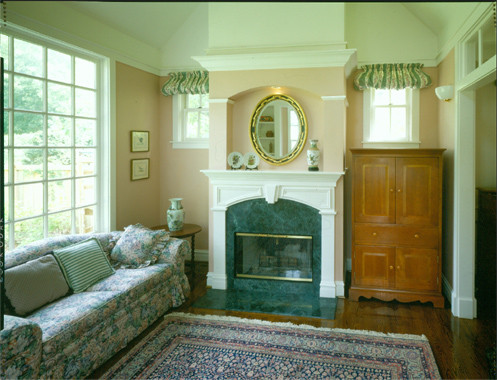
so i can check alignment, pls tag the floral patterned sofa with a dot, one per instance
(75, 334)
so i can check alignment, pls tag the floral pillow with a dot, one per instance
(136, 247)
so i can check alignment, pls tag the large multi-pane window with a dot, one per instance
(51, 122)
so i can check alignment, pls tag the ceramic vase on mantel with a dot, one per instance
(175, 215)
(313, 154)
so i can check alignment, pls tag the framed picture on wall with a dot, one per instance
(140, 141)
(140, 169)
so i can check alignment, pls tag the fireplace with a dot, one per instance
(273, 257)
(273, 203)
(283, 247)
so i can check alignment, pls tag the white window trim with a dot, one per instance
(412, 123)
(105, 171)
(178, 141)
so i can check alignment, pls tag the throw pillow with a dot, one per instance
(83, 264)
(33, 284)
(137, 246)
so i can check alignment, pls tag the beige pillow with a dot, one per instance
(33, 284)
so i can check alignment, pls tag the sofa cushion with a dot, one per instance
(72, 317)
(69, 318)
(83, 264)
(33, 284)
(137, 246)
(134, 281)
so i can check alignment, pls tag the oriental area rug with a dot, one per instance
(187, 346)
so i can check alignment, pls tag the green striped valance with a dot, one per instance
(190, 82)
(392, 76)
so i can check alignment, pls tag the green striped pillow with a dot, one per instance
(83, 264)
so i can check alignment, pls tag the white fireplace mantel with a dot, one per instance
(315, 189)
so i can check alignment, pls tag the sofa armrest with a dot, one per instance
(174, 252)
(20, 348)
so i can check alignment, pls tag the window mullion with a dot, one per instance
(45, 144)
(73, 144)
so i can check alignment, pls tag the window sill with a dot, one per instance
(190, 144)
(391, 144)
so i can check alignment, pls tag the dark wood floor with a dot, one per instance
(459, 345)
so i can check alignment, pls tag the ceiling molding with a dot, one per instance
(279, 60)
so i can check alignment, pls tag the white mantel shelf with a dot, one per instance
(220, 176)
(315, 189)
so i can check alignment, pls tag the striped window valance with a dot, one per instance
(392, 76)
(189, 82)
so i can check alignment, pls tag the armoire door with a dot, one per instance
(374, 190)
(417, 191)
(416, 269)
(374, 266)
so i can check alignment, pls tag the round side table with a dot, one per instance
(188, 231)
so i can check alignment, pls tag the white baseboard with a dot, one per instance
(216, 281)
(200, 255)
(340, 288)
(446, 288)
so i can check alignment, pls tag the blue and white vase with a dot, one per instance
(175, 215)
(313, 156)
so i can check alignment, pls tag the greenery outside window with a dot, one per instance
(53, 142)
(191, 121)
(391, 118)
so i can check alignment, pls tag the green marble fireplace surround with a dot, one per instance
(284, 217)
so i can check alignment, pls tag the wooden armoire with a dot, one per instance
(397, 225)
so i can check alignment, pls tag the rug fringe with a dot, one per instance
(293, 325)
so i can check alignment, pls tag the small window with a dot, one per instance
(191, 121)
(391, 118)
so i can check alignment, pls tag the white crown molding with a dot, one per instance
(164, 71)
(279, 60)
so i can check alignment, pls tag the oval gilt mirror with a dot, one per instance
(278, 129)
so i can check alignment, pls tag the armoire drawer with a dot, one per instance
(376, 234)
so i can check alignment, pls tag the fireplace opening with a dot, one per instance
(273, 257)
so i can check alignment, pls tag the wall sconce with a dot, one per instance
(445, 93)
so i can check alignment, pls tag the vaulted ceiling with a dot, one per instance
(155, 22)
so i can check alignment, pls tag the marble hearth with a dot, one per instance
(314, 189)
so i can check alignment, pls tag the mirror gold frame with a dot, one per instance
(254, 124)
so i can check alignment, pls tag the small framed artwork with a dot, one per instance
(140, 169)
(139, 141)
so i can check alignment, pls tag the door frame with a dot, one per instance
(463, 292)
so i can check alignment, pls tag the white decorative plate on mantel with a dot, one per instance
(251, 160)
(235, 160)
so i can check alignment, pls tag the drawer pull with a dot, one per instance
(398, 190)
(416, 236)
(398, 266)
(391, 190)
(391, 267)
(374, 234)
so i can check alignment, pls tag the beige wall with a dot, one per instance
(137, 108)
(428, 134)
(174, 173)
(485, 135)
(446, 136)
(180, 175)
